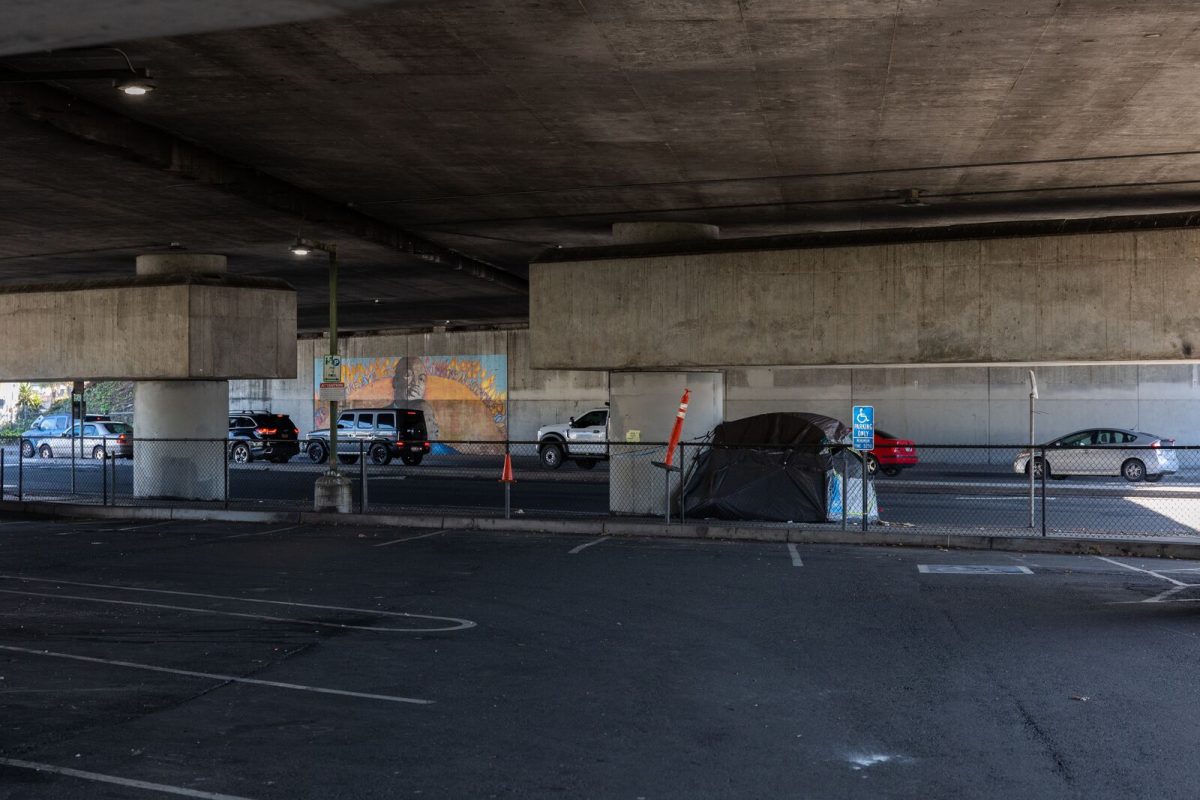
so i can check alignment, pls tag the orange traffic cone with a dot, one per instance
(506, 475)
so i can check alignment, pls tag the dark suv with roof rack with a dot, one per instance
(381, 433)
(261, 434)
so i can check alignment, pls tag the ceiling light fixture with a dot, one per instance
(299, 248)
(134, 81)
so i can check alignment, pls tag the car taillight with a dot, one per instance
(295, 431)
(266, 431)
(427, 444)
(1154, 444)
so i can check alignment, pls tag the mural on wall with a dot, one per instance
(464, 397)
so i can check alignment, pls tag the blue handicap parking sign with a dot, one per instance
(862, 422)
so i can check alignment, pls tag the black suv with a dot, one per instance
(261, 434)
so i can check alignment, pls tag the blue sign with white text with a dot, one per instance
(862, 422)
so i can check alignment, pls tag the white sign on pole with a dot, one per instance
(331, 369)
(334, 391)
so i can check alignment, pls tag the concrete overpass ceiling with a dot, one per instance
(501, 128)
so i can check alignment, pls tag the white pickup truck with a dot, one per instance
(583, 440)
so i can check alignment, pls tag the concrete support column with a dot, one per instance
(167, 414)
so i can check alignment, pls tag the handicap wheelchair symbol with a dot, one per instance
(862, 418)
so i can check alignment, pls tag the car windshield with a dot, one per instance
(118, 427)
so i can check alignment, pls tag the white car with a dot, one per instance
(583, 440)
(99, 440)
(1116, 452)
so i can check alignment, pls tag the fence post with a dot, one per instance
(1044, 462)
(682, 483)
(865, 504)
(20, 472)
(104, 472)
(507, 484)
(362, 478)
(225, 469)
(845, 486)
(112, 468)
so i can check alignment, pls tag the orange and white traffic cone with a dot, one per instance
(678, 429)
(506, 475)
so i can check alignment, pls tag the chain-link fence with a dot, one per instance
(1099, 489)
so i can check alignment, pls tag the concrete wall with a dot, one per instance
(171, 328)
(981, 405)
(1113, 297)
(535, 397)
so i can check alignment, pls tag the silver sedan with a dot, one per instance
(1132, 455)
(99, 440)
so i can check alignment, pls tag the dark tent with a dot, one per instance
(768, 467)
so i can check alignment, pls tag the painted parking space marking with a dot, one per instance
(256, 533)
(1158, 575)
(457, 623)
(128, 783)
(579, 549)
(187, 673)
(146, 525)
(973, 569)
(411, 538)
(795, 554)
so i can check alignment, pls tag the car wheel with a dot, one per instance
(45, 452)
(1155, 478)
(318, 453)
(27, 450)
(551, 455)
(872, 464)
(380, 454)
(98, 453)
(1133, 470)
(348, 459)
(1038, 467)
(240, 453)
(412, 459)
(586, 463)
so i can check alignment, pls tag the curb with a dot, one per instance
(1141, 547)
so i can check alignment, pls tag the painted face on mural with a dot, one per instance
(414, 381)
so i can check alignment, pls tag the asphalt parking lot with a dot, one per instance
(213, 660)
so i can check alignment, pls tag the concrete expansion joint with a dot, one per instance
(1139, 548)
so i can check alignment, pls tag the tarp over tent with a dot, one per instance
(768, 467)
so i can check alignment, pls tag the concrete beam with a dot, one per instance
(1093, 298)
(52, 24)
(154, 327)
(127, 138)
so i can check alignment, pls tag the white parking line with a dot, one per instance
(126, 782)
(796, 562)
(576, 550)
(257, 533)
(300, 687)
(1158, 575)
(459, 624)
(147, 525)
(410, 538)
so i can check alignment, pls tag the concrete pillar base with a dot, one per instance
(179, 439)
(333, 492)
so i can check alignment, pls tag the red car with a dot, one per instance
(891, 454)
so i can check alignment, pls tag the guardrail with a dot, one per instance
(1085, 491)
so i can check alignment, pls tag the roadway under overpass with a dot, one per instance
(1009, 183)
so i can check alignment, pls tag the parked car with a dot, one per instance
(100, 439)
(891, 454)
(382, 433)
(47, 426)
(261, 434)
(583, 440)
(1133, 455)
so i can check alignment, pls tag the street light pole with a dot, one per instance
(332, 489)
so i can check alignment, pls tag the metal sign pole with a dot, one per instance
(1033, 396)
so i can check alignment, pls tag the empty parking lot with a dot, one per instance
(205, 659)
